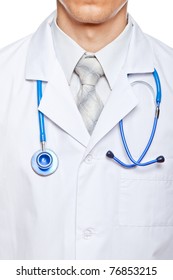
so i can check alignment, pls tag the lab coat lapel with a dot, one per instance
(122, 99)
(120, 103)
(57, 102)
(58, 105)
(140, 58)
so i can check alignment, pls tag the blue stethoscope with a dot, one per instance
(138, 162)
(45, 162)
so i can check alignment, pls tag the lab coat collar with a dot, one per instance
(112, 57)
(140, 58)
(65, 48)
(41, 54)
(57, 102)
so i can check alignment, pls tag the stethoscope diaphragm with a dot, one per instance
(45, 162)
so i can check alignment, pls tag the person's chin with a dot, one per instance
(90, 17)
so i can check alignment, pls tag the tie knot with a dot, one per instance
(89, 70)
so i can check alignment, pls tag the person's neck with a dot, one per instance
(92, 37)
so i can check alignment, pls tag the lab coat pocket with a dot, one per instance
(146, 196)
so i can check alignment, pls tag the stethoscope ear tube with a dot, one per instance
(135, 163)
(158, 87)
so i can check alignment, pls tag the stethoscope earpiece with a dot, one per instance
(109, 154)
(160, 159)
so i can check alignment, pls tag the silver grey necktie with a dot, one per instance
(89, 104)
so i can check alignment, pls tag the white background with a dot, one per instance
(19, 18)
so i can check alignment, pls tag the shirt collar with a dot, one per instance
(68, 52)
(111, 57)
(40, 61)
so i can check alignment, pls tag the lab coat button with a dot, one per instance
(89, 158)
(88, 233)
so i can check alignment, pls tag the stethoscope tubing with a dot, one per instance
(135, 163)
(40, 114)
(138, 162)
(158, 87)
(45, 162)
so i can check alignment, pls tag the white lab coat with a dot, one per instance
(91, 208)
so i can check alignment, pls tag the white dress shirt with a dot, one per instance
(111, 57)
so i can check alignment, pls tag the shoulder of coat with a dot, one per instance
(163, 60)
(160, 48)
(14, 51)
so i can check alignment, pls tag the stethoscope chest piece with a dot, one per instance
(44, 162)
